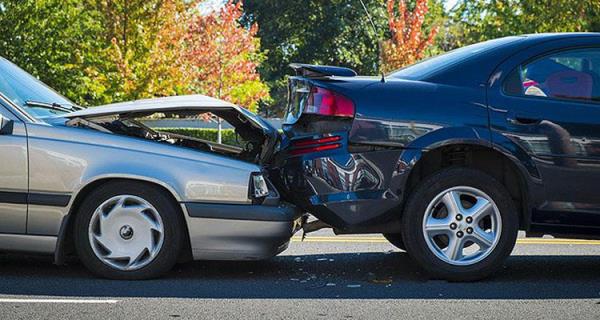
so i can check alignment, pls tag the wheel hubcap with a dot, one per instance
(126, 232)
(462, 225)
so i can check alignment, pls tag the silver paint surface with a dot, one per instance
(226, 239)
(64, 160)
(13, 178)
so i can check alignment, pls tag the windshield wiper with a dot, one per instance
(51, 106)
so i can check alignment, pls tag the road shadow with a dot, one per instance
(341, 275)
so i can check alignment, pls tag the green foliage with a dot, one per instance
(225, 57)
(228, 136)
(54, 40)
(478, 20)
(94, 52)
(103, 51)
(335, 32)
(141, 52)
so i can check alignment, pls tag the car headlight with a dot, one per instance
(260, 189)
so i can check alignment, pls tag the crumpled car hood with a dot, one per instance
(169, 104)
(176, 103)
(192, 103)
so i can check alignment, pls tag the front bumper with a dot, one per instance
(240, 232)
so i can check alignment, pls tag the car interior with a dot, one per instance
(573, 75)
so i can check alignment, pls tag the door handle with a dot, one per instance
(524, 120)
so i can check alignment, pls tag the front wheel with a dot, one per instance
(127, 230)
(460, 224)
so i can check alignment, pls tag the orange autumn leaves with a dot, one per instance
(408, 42)
(181, 50)
(225, 57)
(170, 47)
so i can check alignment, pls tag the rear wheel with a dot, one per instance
(396, 240)
(127, 230)
(460, 224)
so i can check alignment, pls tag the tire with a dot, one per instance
(493, 230)
(130, 218)
(396, 240)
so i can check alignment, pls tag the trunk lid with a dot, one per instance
(338, 80)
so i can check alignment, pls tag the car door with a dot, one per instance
(13, 174)
(549, 105)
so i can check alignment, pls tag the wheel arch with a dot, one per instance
(64, 243)
(477, 154)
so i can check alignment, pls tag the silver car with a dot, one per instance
(130, 200)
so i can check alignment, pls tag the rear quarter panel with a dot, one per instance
(362, 187)
(412, 114)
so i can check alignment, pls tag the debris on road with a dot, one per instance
(382, 281)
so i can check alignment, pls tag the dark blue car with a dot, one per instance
(450, 157)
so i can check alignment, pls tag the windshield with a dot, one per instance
(21, 87)
(432, 65)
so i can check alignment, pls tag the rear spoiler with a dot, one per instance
(314, 71)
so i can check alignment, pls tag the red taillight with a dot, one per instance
(315, 149)
(315, 145)
(311, 142)
(328, 103)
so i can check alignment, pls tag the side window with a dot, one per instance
(571, 75)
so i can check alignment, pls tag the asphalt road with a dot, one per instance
(354, 277)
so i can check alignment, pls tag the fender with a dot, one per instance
(527, 169)
(479, 137)
(451, 135)
(416, 150)
(59, 252)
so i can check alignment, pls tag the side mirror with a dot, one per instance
(6, 125)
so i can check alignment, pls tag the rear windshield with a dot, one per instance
(427, 67)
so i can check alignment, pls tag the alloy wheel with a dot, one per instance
(462, 225)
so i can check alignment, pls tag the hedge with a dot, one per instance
(228, 136)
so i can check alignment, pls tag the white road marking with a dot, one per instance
(71, 301)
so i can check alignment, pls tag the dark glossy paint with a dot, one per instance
(308, 70)
(546, 130)
(361, 187)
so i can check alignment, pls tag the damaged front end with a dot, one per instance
(255, 139)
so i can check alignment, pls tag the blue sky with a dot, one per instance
(450, 3)
(209, 6)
